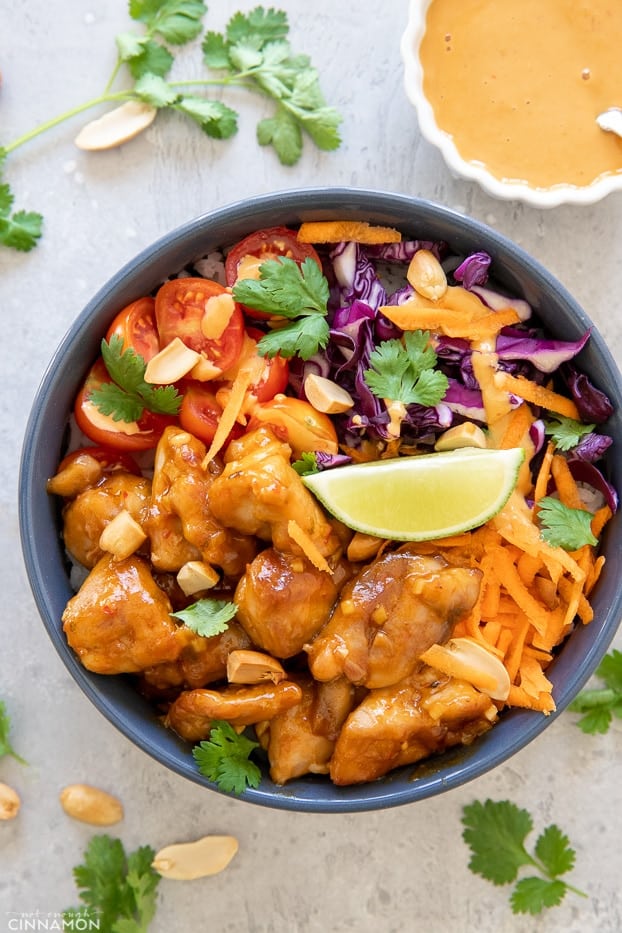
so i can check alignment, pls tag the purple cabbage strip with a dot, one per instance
(594, 406)
(404, 251)
(592, 447)
(464, 401)
(546, 355)
(357, 276)
(473, 270)
(328, 461)
(497, 301)
(584, 472)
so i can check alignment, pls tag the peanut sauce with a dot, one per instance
(518, 85)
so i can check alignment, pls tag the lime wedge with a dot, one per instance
(420, 497)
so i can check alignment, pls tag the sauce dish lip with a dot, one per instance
(474, 171)
(42, 547)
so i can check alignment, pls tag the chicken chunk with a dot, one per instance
(119, 622)
(202, 661)
(301, 740)
(389, 615)
(193, 712)
(259, 493)
(181, 525)
(283, 600)
(86, 516)
(424, 714)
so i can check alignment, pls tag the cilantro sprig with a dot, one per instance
(118, 890)
(561, 526)
(566, 432)
(6, 746)
(224, 759)
(496, 832)
(253, 53)
(128, 395)
(598, 705)
(207, 617)
(297, 293)
(404, 370)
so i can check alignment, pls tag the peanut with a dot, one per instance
(9, 802)
(186, 861)
(426, 275)
(91, 805)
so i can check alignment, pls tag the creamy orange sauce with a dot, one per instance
(518, 85)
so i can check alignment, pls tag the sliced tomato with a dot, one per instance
(298, 423)
(110, 460)
(204, 316)
(275, 373)
(103, 430)
(136, 326)
(243, 259)
(200, 412)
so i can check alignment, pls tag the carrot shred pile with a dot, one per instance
(336, 231)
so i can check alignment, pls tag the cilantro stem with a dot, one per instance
(66, 115)
(552, 877)
(592, 699)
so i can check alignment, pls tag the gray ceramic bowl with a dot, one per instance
(45, 435)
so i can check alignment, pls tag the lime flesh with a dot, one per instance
(420, 497)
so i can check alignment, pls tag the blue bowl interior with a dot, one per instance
(46, 435)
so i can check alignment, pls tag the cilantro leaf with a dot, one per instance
(215, 118)
(224, 759)
(403, 371)
(561, 526)
(531, 895)
(207, 617)
(143, 55)
(496, 832)
(307, 464)
(129, 395)
(119, 890)
(297, 293)
(566, 432)
(154, 90)
(599, 705)
(177, 21)
(255, 49)
(20, 230)
(6, 747)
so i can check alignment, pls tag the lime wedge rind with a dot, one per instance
(420, 498)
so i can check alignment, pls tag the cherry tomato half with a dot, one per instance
(298, 423)
(244, 259)
(110, 460)
(102, 429)
(136, 326)
(275, 373)
(204, 316)
(200, 412)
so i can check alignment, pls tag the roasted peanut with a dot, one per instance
(9, 802)
(186, 861)
(91, 805)
(426, 275)
(253, 667)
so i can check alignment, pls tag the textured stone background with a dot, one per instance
(398, 870)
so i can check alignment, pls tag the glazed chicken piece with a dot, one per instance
(193, 712)
(301, 740)
(201, 661)
(283, 600)
(426, 713)
(119, 622)
(86, 516)
(181, 525)
(259, 493)
(389, 615)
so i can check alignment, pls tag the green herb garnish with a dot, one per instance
(299, 294)
(566, 432)
(118, 890)
(306, 465)
(600, 704)
(6, 747)
(561, 526)
(207, 617)
(224, 759)
(128, 395)
(496, 832)
(403, 371)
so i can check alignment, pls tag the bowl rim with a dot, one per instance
(516, 729)
(504, 190)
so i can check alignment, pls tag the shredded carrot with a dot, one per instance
(246, 376)
(336, 231)
(601, 517)
(417, 314)
(518, 424)
(565, 484)
(307, 545)
(544, 473)
(537, 394)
